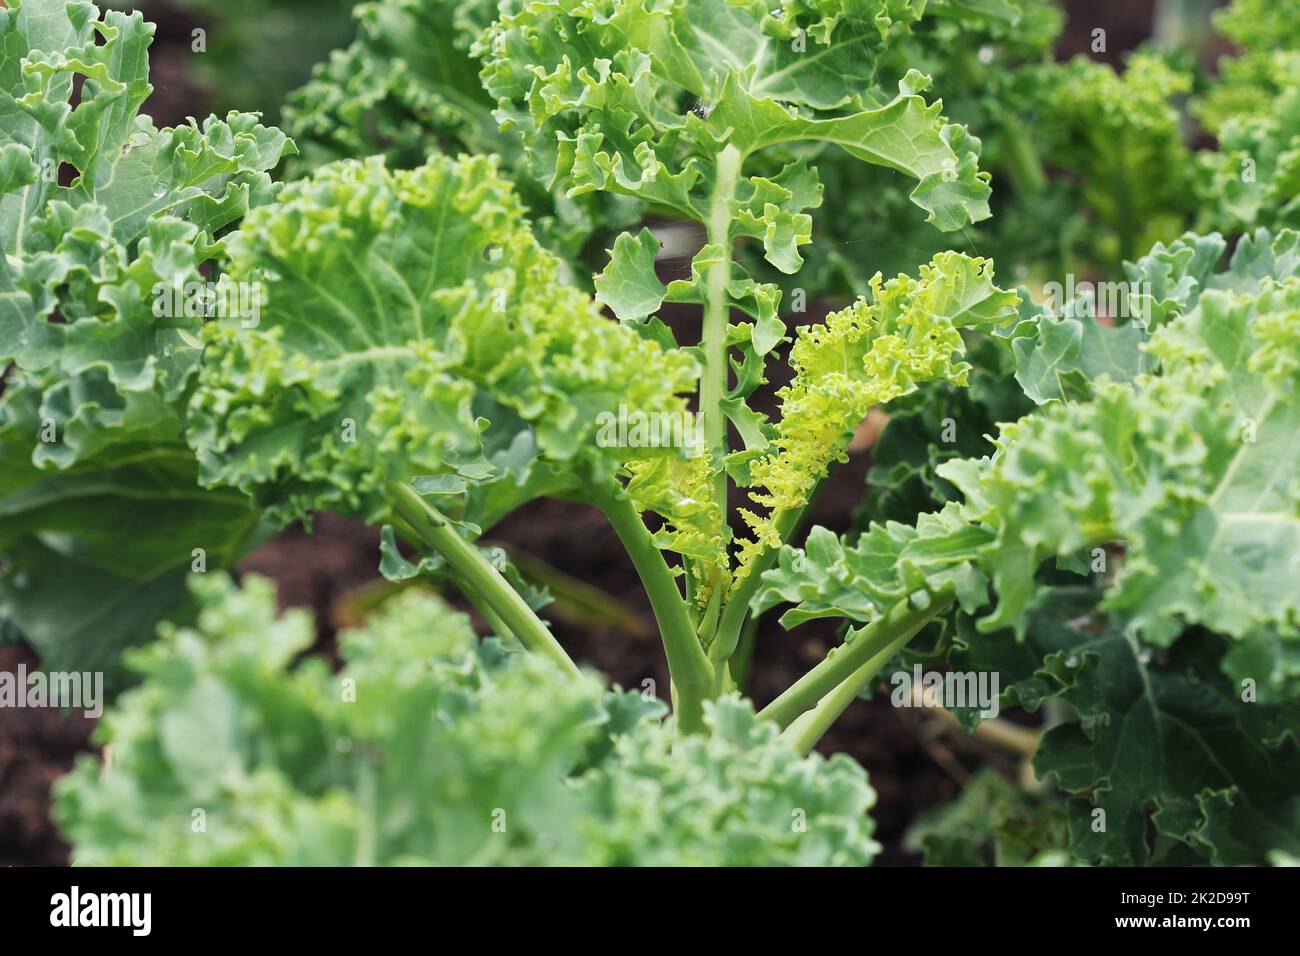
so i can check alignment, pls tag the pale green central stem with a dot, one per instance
(713, 383)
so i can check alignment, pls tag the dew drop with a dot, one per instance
(1072, 661)
(159, 190)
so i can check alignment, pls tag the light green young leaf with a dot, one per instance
(629, 285)
(890, 561)
(907, 332)
(1253, 180)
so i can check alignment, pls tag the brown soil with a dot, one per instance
(36, 748)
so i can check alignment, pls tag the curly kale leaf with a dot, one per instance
(1179, 656)
(430, 747)
(408, 87)
(107, 226)
(938, 423)
(1253, 180)
(1165, 742)
(1061, 352)
(907, 332)
(637, 96)
(402, 309)
(991, 821)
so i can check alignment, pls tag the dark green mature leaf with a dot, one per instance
(1170, 739)
(990, 821)
(96, 551)
(102, 515)
(1160, 736)
(596, 86)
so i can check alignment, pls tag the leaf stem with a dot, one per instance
(742, 661)
(812, 725)
(899, 624)
(490, 617)
(475, 570)
(691, 672)
(727, 634)
(1125, 202)
(1023, 163)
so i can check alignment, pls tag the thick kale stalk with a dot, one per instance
(477, 573)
